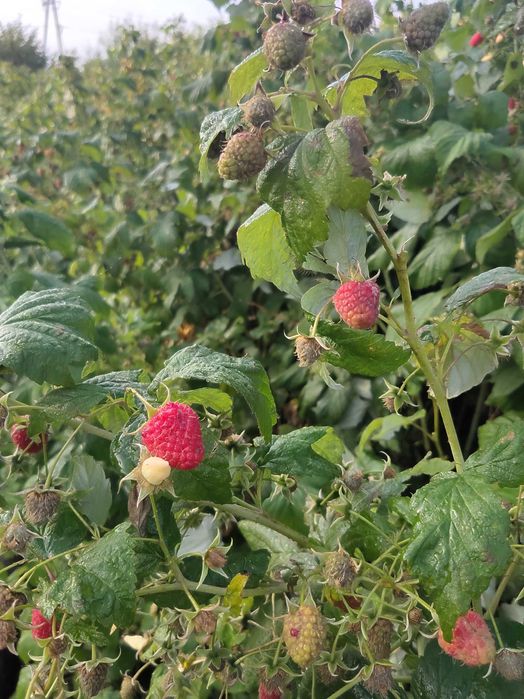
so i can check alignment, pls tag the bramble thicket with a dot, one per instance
(261, 354)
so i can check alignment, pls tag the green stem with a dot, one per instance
(411, 336)
(96, 431)
(348, 685)
(57, 458)
(209, 589)
(328, 110)
(240, 511)
(502, 586)
(27, 575)
(169, 558)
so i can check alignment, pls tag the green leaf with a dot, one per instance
(327, 167)
(453, 141)
(415, 159)
(438, 676)
(497, 278)
(63, 532)
(381, 429)
(259, 536)
(116, 383)
(93, 489)
(245, 75)
(414, 207)
(293, 454)
(361, 351)
(493, 237)
(317, 296)
(469, 359)
(436, 258)
(65, 403)
(210, 480)
(460, 541)
(499, 460)
(347, 240)
(43, 335)
(401, 64)
(211, 398)
(264, 249)
(244, 375)
(301, 112)
(429, 467)
(55, 234)
(124, 447)
(99, 586)
(216, 123)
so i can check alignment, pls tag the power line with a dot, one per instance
(50, 7)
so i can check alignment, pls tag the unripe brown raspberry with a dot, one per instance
(243, 157)
(354, 479)
(205, 621)
(510, 664)
(304, 634)
(302, 12)
(415, 616)
(357, 15)
(9, 598)
(16, 537)
(339, 570)
(57, 646)
(324, 675)
(380, 681)
(423, 26)
(41, 505)
(515, 295)
(259, 110)
(379, 639)
(8, 634)
(307, 350)
(92, 678)
(215, 558)
(284, 45)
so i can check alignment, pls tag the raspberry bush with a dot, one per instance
(315, 488)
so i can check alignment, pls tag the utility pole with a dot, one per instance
(50, 6)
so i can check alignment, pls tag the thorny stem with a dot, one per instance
(411, 336)
(57, 458)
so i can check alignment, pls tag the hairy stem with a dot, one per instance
(209, 589)
(251, 514)
(411, 336)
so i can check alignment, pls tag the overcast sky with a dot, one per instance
(84, 22)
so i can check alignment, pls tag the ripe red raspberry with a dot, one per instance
(357, 303)
(20, 437)
(471, 642)
(266, 692)
(42, 628)
(476, 39)
(174, 434)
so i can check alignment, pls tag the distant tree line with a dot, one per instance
(19, 45)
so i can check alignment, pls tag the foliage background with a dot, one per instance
(100, 192)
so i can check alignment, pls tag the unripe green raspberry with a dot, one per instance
(423, 26)
(357, 15)
(259, 110)
(304, 634)
(284, 45)
(129, 689)
(243, 157)
(302, 12)
(339, 570)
